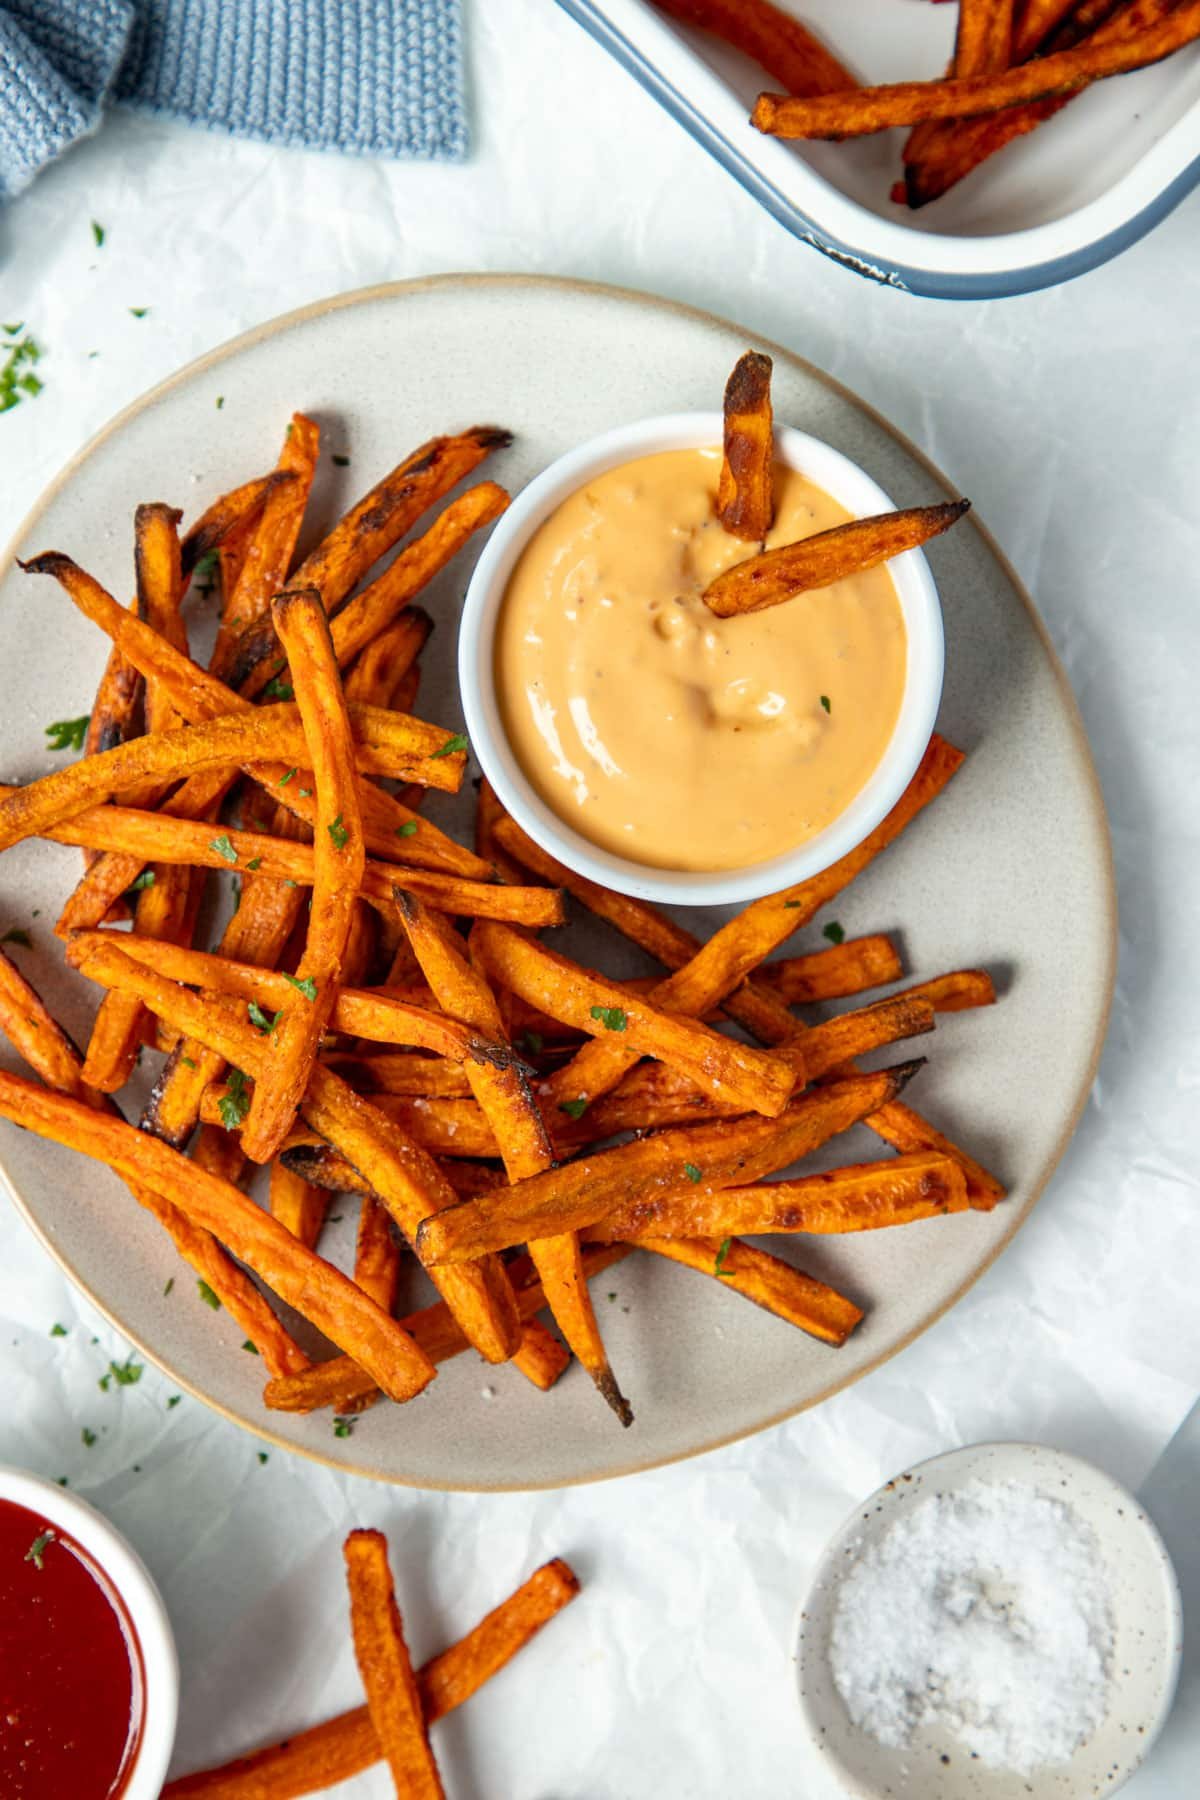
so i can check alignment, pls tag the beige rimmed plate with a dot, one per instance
(1017, 844)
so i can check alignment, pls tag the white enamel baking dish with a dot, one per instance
(1069, 196)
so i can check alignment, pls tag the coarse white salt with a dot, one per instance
(982, 1613)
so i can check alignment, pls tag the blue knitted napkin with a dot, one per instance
(375, 77)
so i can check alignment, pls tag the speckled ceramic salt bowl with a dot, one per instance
(1147, 1631)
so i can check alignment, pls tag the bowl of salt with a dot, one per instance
(998, 1622)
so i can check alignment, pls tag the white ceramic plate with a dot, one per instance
(1065, 198)
(1147, 1628)
(1017, 845)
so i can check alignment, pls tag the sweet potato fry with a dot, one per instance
(163, 838)
(368, 530)
(959, 991)
(117, 715)
(393, 1698)
(301, 1209)
(344, 1746)
(405, 1178)
(739, 946)
(541, 1358)
(860, 1197)
(167, 906)
(948, 150)
(908, 102)
(373, 611)
(360, 1012)
(906, 1131)
(725, 1152)
(338, 864)
(375, 672)
(263, 569)
(828, 556)
(983, 45)
(376, 1254)
(400, 1072)
(751, 1004)
(768, 1281)
(836, 973)
(47, 1049)
(300, 1278)
(721, 1066)
(228, 514)
(512, 1114)
(745, 500)
(341, 1385)
(785, 48)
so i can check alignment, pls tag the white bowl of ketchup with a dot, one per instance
(89, 1678)
(548, 819)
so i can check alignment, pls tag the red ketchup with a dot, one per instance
(71, 1685)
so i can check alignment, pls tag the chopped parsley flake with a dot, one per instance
(87, 1438)
(278, 690)
(450, 747)
(139, 312)
(17, 378)
(174, 1401)
(825, 703)
(341, 462)
(531, 1042)
(126, 1374)
(791, 905)
(263, 1457)
(408, 829)
(223, 847)
(252, 1348)
(343, 1427)
(307, 987)
(207, 1295)
(188, 1062)
(692, 1172)
(338, 835)
(719, 1266)
(68, 734)
(97, 233)
(37, 1549)
(613, 1018)
(260, 1019)
(234, 1103)
(169, 1286)
(220, 401)
(284, 779)
(834, 932)
(18, 936)
(304, 793)
(145, 880)
(575, 1109)
(58, 1331)
(254, 863)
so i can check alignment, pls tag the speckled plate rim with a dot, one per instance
(1107, 899)
(962, 1464)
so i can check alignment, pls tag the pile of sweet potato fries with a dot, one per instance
(380, 1016)
(1016, 63)
(402, 1702)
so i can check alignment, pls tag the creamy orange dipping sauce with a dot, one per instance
(661, 732)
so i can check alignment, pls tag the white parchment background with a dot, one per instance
(1072, 417)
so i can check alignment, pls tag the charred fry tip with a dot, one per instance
(155, 509)
(406, 902)
(900, 1074)
(749, 377)
(302, 599)
(491, 437)
(606, 1386)
(48, 562)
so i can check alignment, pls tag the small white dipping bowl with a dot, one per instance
(826, 468)
(66, 1512)
(1147, 1632)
